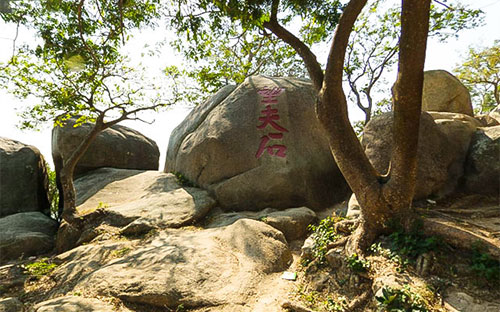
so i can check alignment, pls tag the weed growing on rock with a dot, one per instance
(183, 180)
(324, 233)
(120, 252)
(39, 268)
(357, 264)
(412, 244)
(400, 300)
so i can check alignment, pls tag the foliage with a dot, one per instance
(231, 56)
(223, 42)
(53, 193)
(77, 68)
(412, 244)
(183, 180)
(374, 45)
(391, 255)
(357, 264)
(484, 265)
(400, 300)
(323, 233)
(120, 252)
(480, 73)
(39, 268)
(338, 305)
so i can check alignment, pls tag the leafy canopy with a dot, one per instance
(480, 73)
(77, 67)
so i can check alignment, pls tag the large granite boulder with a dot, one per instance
(459, 129)
(258, 145)
(135, 201)
(483, 162)
(23, 179)
(26, 234)
(441, 151)
(443, 92)
(117, 147)
(194, 268)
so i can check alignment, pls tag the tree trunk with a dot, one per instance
(381, 197)
(69, 214)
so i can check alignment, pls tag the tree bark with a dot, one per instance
(381, 197)
(69, 213)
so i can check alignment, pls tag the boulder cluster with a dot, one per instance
(250, 168)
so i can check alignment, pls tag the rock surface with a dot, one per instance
(23, 179)
(436, 153)
(117, 147)
(10, 305)
(292, 222)
(197, 268)
(73, 304)
(26, 234)
(130, 195)
(483, 162)
(258, 150)
(445, 93)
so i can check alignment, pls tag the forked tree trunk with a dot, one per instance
(389, 196)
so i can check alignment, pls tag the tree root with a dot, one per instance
(459, 237)
(345, 226)
(339, 242)
(294, 307)
(359, 301)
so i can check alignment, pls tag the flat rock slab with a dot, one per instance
(74, 304)
(129, 195)
(197, 268)
(26, 234)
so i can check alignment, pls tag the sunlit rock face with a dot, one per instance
(258, 145)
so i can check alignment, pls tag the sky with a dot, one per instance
(439, 56)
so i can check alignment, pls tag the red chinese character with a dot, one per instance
(270, 95)
(280, 149)
(269, 118)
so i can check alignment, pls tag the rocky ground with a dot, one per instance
(137, 256)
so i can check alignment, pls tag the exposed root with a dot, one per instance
(459, 237)
(294, 307)
(360, 300)
(340, 242)
(345, 226)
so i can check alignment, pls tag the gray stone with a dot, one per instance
(26, 234)
(483, 162)
(128, 195)
(74, 304)
(440, 157)
(443, 92)
(292, 222)
(117, 147)
(10, 305)
(353, 208)
(23, 179)
(216, 147)
(195, 268)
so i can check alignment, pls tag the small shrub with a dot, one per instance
(183, 180)
(53, 193)
(412, 244)
(400, 300)
(324, 233)
(120, 252)
(39, 268)
(358, 264)
(484, 265)
(338, 305)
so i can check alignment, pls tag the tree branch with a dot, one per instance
(312, 65)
